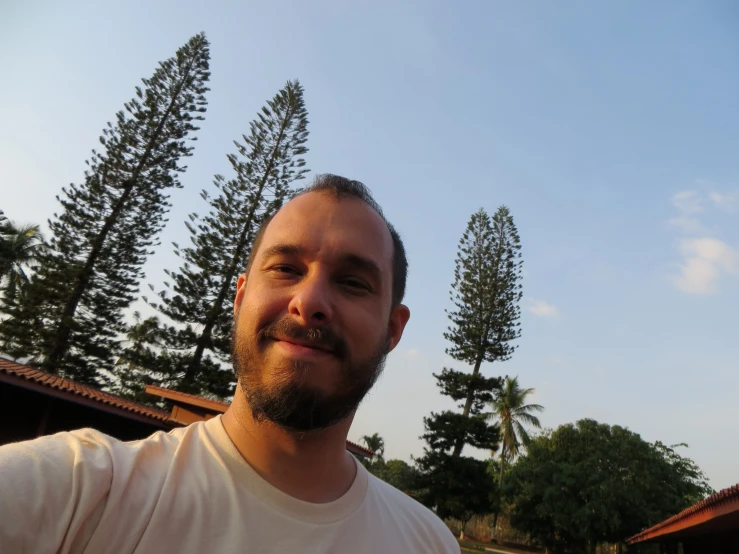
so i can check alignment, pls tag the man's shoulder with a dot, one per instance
(86, 444)
(89, 448)
(408, 512)
(88, 440)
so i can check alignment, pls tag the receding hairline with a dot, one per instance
(336, 198)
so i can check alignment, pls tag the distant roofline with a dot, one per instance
(358, 449)
(719, 504)
(30, 378)
(176, 396)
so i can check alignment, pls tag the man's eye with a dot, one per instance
(285, 270)
(355, 284)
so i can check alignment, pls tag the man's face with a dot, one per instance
(313, 319)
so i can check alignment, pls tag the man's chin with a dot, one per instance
(301, 412)
(320, 377)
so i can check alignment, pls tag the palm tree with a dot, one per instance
(377, 445)
(20, 249)
(510, 409)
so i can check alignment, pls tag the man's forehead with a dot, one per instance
(320, 220)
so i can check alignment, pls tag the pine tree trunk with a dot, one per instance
(468, 405)
(205, 336)
(60, 345)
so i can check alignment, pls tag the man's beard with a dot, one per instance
(288, 401)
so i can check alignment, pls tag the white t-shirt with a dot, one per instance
(189, 491)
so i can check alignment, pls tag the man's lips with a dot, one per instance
(304, 344)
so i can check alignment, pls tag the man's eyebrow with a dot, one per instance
(362, 263)
(284, 250)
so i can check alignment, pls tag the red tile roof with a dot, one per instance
(357, 449)
(57, 383)
(213, 405)
(723, 502)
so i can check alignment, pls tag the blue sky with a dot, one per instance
(611, 131)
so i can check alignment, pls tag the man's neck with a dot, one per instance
(313, 466)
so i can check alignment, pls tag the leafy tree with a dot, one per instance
(509, 408)
(20, 250)
(692, 483)
(69, 321)
(587, 483)
(377, 445)
(197, 348)
(457, 487)
(398, 473)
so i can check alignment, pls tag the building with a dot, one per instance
(708, 527)
(34, 403)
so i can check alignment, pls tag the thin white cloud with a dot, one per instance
(704, 261)
(543, 309)
(413, 353)
(689, 202)
(688, 225)
(727, 202)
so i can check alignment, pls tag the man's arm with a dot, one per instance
(52, 492)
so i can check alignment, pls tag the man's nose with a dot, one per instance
(312, 300)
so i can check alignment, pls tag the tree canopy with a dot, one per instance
(398, 473)
(588, 482)
(71, 313)
(198, 298)
(20, 249)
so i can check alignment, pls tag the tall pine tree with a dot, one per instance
(486, 293)
(70, 319)
(267, 162)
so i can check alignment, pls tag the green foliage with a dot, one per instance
(692, 483)
(459, 386)
(196, 349)
(446, 429)
(397, 473)
(486, 290)
(377, 445)
(20, 250)
(141, 340)
(509, 408)
(455, 486)
(485, 293)
(589, 482)
(69, 320)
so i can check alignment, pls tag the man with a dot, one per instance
(316, 312)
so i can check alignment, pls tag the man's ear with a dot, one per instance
(398, 319)
(240, 289)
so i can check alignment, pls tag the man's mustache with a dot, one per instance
(319, 336)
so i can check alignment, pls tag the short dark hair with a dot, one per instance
(341, 187)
